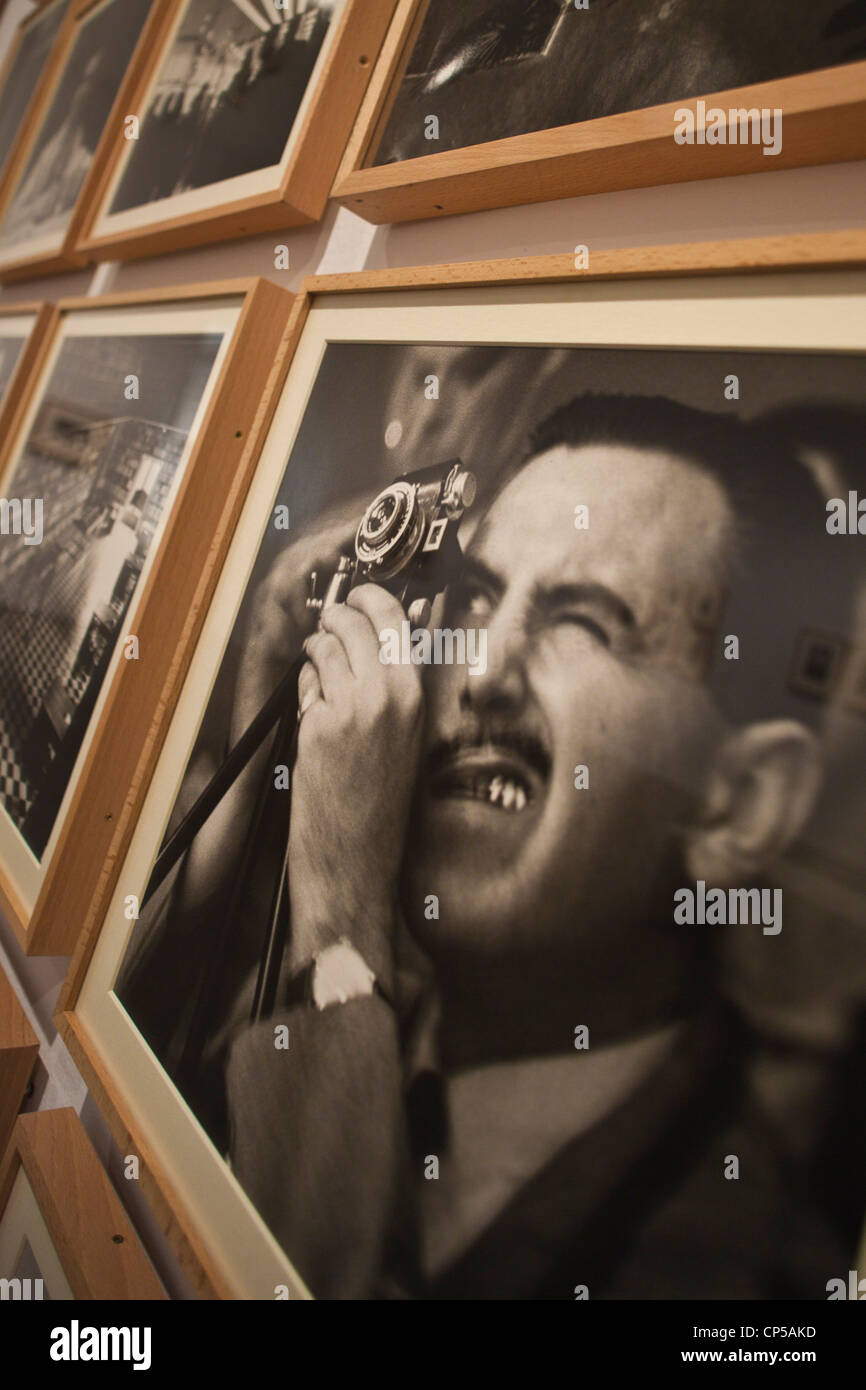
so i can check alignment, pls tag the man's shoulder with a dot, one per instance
(679, 1193)
(736, 1222)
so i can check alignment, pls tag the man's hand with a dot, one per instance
(279, 622)
(280, 619)
(358, 748)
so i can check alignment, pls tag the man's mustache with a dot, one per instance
(498, 734)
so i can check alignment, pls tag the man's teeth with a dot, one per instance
(502, 791)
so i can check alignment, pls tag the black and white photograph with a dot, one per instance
(226, 96)
(30, 58)
(506, 935)
(488, 69)
(48, 188)
(90, 489)
(11, 347)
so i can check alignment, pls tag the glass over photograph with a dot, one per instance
(488, 69)
(226, 96)
(91, 482)
(48, 188)
(11, 348)
(506, 937)
(21, 80)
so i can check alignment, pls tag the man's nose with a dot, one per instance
(501, 684)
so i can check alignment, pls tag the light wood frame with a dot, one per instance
(824, 123)
(803, 253)
(101, 1255)
(35, 107)
(193, 542)
(19, 1048)
(44, 323)
(298, 193)
(25, 265)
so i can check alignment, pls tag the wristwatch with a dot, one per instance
(335, 975)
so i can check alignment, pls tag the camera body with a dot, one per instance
(407, 540)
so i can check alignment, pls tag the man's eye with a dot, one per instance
(471, 600)
(585, 621)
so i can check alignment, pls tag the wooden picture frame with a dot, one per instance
(291, 193)
(824, 122)
(29, 111)
(36, 321)
(78, 1218)
(223, 1245)
(33, 251)
(44, 894)
(19, 1048)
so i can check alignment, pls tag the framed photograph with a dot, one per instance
(27, 71)
(478, 105)
(19, 1048)
(853, 695)
(63, 1231)
(818, 663)
(23, 329)
(244, 111)
(60, 159)
(388, 873)
(130, 448)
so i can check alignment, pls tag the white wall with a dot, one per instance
(779, 202)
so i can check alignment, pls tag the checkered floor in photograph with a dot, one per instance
(13, 787)
(34, 651)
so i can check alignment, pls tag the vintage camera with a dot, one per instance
(407, 540)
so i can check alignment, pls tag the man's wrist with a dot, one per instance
(368, 929)
(337, 975)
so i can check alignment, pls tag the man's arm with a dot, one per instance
(318, 1137)
(278, 623)
(318, 1140)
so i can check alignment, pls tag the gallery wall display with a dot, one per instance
(27, 71)
(136, 420)
(244, 112)
(23, 329)
(63, 1231)
(517, 446)
(481, 105)
(19, 1048)
(60, 157)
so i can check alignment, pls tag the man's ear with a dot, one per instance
(759, 794)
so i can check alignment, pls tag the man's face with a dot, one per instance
(597, 641)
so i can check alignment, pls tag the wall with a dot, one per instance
(783, 202)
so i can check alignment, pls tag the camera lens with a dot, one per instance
(390, 530)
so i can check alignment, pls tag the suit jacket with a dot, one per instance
(637, 1207)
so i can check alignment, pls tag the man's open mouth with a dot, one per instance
(501, 778)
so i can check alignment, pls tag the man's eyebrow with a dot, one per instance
(556, 595)
(474, 568)
(588, 592)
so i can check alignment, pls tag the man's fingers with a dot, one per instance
(317, 551)
(309, 688)
(381, 608)
(358, 636)
(328, 656)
